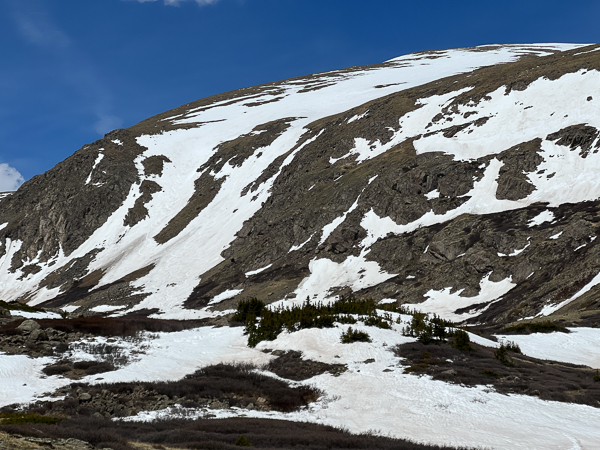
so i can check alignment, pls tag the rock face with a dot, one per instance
(463, 181)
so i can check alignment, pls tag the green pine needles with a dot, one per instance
(435, 329)
(265, 324)
(501, 353)
(351, 335)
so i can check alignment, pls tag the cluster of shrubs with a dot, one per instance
(18, 306)
(213, 434)
(18, 418)
(265, 324)
(351, 336)
(262, 323)
(547, 326)
(89, 367)
(501, 353)
(435, 329)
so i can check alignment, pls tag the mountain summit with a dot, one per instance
(461, 181)
(407, 249)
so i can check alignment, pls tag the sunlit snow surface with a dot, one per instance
(180, 263)
(21, 379)
(369, 396)
(580, 346)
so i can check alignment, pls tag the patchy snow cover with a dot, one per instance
(365, 398)
(355, 272)
(544, 216)
(580, 346)
(298, 247)
(229, 293)
(174, 277)
(171, 356)
(70, 308)
(433, 194)
(107, 308)
(358, 117)
(36, 314)
(444, 303)
(330, 228)
(520, 250)
(22, 380)
(549, 309)
(482, 201)
(98, 159)
(254, 272)
(557, 235)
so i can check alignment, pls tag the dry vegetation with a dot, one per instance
(212, 434)
(507, 371)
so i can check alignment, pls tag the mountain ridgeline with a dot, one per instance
(459, 182)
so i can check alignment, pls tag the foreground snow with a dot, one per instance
(369, 396)
(22, 380)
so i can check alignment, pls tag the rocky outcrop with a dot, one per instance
(16, 442)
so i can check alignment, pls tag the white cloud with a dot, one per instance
(10, 178)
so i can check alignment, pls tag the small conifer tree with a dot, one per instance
(242, 442)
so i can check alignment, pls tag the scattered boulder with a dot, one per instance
(38, 335)
(28, 326)
(4, 312)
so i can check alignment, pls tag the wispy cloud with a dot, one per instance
(178, 2)
(10, 178)
(72, 66)
(36, 27)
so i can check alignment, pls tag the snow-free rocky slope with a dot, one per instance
(465, 181)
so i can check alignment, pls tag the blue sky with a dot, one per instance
(72, 70)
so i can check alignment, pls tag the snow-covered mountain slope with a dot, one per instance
(463, 180)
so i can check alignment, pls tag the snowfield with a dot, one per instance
(369, 396)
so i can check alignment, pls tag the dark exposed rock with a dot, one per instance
(292, 366)
(153, 165)
(518, 162)
(139, 212)
(577, 136)
(58, 209)
(38, 335)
